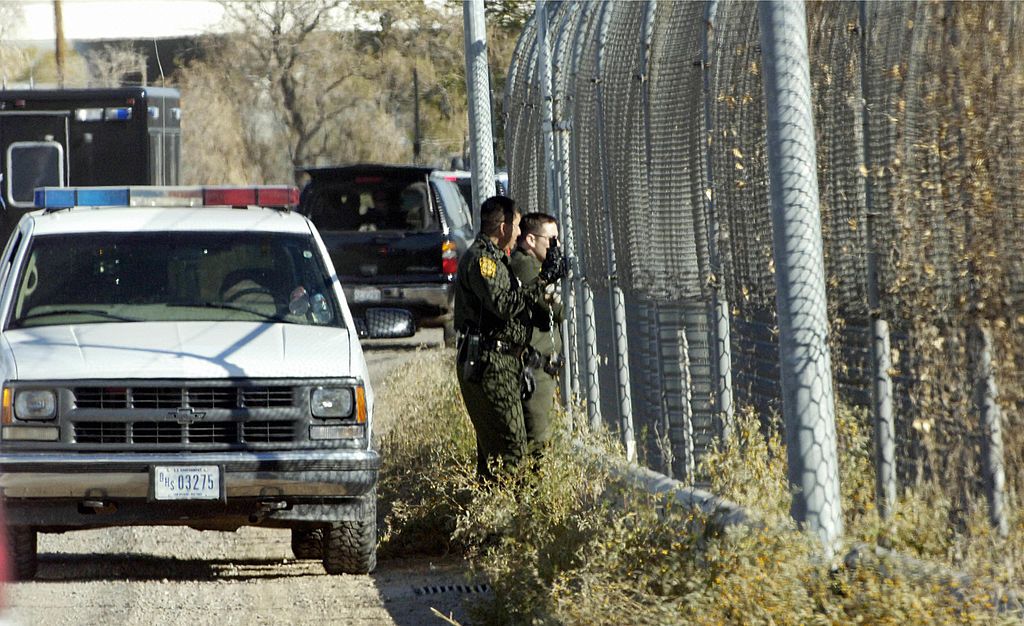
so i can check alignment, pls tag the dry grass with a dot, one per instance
(562, 542)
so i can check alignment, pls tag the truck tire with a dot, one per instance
(350, 546)
(308, 543)
(448, 330)
(23, 556)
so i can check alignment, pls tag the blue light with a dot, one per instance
(117, 114)
(102, 196)
(54, 197)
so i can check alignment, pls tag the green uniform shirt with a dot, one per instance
(489, 298)
(546, 336)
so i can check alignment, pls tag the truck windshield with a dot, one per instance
(195, 276)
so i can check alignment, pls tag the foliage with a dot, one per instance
(321, 82)
(113, 63)
(564, 542)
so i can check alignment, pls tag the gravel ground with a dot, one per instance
(171, 575)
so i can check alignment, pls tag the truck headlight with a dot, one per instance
(35, 404)
(331, 402)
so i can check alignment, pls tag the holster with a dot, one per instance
(472, 358)
(532, 360)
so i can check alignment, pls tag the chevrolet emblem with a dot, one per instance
(186, 415)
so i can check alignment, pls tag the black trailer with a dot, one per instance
(85, 137)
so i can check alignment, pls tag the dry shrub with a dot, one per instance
(428, 450)
(563, 542)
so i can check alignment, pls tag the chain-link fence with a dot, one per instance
(660, 117)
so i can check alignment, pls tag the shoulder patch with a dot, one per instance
(488, 267)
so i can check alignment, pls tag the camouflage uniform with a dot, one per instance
(490, 300)
(547, 340)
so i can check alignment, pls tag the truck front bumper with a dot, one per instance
(70, 489)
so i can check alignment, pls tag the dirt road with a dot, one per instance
(170, 575)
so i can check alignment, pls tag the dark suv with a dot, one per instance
(395, 234)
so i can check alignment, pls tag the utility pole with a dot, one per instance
(417, 142)
(58, 26)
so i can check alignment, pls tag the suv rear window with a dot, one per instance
(371, 203)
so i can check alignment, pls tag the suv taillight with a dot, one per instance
(449, 258)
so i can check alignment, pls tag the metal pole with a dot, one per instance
(551, 170)
(559, 98)
(881, 381)
(546, 125)
(805, 364)
(721, 344)
(588, 319)
(478, 89)
(618, 300)
(986, 397)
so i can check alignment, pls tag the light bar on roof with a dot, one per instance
(152, 196)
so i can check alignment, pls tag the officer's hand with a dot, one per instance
(555, 266)
(552, 295)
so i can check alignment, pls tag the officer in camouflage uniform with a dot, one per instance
(491, 315)
(539, 234)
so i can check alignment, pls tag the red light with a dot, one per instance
(278, 196)
(369, 179)
(229, 196)
(451, 178)
(130, 102)
(449, 258)
(19, 104)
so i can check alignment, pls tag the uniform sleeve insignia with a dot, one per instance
(488, 267)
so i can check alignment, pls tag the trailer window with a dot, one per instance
(32, 164)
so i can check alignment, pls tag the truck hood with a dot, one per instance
(169, 350)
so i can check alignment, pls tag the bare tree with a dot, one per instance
(116, 64)
(299, 84)
(290, 68)
(13, 60)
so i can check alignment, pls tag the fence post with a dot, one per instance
(986, 399)
(881, 361)
(560, 121)
(584, 295)
(805, 365)
(478, 88)
(721, 342)
(551, 170)
(618, 299)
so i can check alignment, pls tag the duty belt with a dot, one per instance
(495, 345)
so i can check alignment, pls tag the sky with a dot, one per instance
(117, 19)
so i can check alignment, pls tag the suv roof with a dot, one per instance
(342, 172)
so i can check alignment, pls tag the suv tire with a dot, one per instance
(22, 541)
(350, 546)
(308, 543)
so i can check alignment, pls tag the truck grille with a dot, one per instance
(182, 397)
(169, 433)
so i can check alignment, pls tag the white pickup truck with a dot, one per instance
(167, 358)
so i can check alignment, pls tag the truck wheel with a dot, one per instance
(23, 556)
(350, 546)
(449, 334)
(308, 543)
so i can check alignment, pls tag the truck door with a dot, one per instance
(33, 149)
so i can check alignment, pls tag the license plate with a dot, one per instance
(365, 294)
(186, 482)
